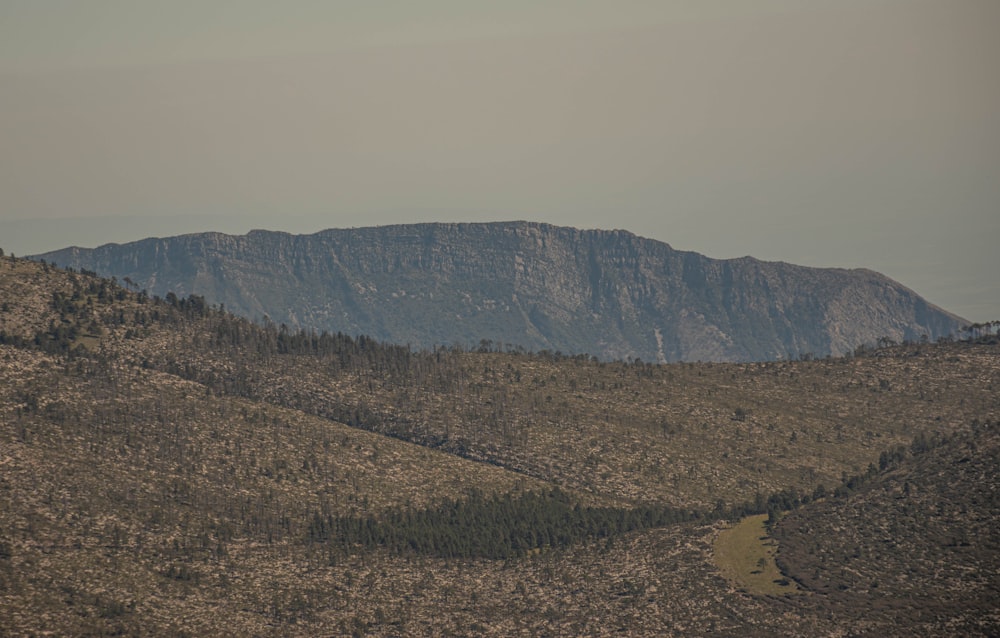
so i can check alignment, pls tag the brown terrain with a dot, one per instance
(167, 468)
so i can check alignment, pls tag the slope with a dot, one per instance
(607, 293)
(920, 540)
(169, 468)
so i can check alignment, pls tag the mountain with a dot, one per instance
(172, 469)
(607, 293)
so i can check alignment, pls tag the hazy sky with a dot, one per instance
(854, 133)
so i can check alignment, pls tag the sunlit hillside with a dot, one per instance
(168, 468)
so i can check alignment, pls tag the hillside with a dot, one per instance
(607, 293)
(921, 539)
(169, 468)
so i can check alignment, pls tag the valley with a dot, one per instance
(170, 468)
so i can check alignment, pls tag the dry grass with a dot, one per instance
(745, 556)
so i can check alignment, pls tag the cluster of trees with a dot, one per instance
(76, 316)
(892, 459)
(509, 526)
(987, 330)
(496, 527)
(339, 351)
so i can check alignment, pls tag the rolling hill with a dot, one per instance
(170, 468)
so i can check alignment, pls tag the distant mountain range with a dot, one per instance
(611, 294)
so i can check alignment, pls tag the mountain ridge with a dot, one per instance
(609, 293)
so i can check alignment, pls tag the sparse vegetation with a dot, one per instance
(171, 469)
(918, 538)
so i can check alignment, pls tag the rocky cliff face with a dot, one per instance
(607, 293)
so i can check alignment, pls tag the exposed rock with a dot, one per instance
(607, 293)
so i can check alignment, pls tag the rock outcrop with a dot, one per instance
(611, 294)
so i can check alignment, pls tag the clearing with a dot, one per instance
(745, 553)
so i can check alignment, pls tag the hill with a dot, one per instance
(169, 468)
(918, 540)
(607, 293)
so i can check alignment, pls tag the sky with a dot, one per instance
(841, 133)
